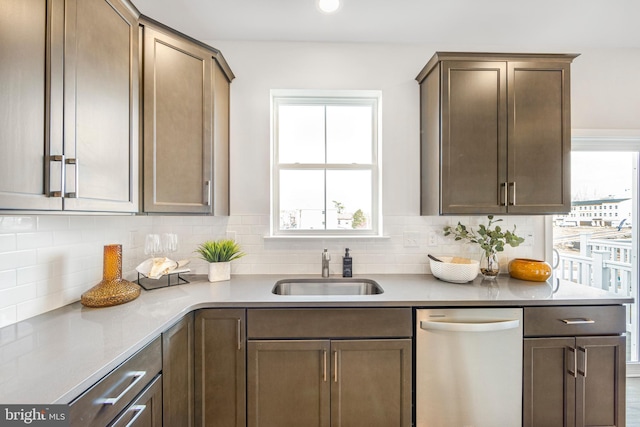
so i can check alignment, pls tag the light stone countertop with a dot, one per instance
(54, 357)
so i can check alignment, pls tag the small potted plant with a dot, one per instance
(219, 254)
(490, 240)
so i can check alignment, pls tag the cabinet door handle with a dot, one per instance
(324, 365)
(58, 158)
(239, 333)
(512, 201)
(505, 193)
(577, 321)
(583, 372)
(76, 165)
(335, 366)
(575, 362)
(137, 376)
(207, 190)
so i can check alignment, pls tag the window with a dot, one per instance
(601, 250)
(325, 164)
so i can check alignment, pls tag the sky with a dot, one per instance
(599, 175)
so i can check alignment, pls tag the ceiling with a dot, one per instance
(539, 24)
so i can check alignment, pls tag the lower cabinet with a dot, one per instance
(131, 394)
(220, 368)
(329, 367)
(177, 372)
(146, 410)
(329, 383)
(574, 380)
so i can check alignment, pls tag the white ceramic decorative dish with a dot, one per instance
(454, 272)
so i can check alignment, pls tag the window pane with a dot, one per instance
(349, 200)
(349, 134)
(301, 134)
(302, 200)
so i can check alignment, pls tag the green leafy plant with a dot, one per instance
(490, 240)
(223, 250)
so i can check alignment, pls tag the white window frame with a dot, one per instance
(593, 141)
(319, 97)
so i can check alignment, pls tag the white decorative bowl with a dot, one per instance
(454, 272)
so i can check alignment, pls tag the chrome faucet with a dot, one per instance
(325, 263)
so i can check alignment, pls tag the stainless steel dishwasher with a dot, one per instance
(469, 367)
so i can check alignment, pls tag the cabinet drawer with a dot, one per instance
(109, 396)
(329, 323)
(146, 410)
(574, 320)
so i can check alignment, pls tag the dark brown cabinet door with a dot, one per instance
(177, 124)
(31, 34)
(549, 385)
(539, 137)
(574, 381)
(178, 373)
(600, 383)
(101, 98)
(474, 136)
(329, 382)
(288, 383)
(371, 383)
(220, 368)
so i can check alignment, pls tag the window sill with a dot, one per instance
(325, 237)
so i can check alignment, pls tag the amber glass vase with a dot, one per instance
(113, 289)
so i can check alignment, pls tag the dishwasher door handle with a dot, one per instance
(500, 325)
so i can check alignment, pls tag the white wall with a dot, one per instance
(48, 261)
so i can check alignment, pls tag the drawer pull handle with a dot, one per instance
(578, 321)
(137, 376)
(139, 409)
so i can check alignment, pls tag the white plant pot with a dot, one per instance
(219, 271)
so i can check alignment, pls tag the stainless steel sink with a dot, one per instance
(337, 286)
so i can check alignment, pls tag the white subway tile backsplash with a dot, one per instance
(8, 315)
(49, 261)
(34, 240)
(52, 222)
(17, 259)
(15, 224)
(8, 279)
(16, 295)
(7, 242)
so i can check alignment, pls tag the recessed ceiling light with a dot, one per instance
(328, 6)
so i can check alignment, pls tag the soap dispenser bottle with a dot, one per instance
(347, 264)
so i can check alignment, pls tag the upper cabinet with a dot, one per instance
(30, 51)
(186, 124)
(101, 97)
(495, 133)
(68, 127)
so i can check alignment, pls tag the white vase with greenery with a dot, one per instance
(219, 254)
(491, 241)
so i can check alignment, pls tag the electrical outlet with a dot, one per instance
(132, 238)
(411, 239)
(433, 238)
